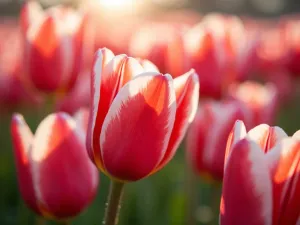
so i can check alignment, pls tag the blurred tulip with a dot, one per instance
(261, 177)
(54, 157)
(13, 91)
(212, 47)
(145, 109)
(53, 46)
(260, 99)
(207, 136)
(167, 53)
(271, 51)
(283, 82)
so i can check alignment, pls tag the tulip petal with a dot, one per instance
(118, 71)
(196, 138)
(31, 12)
(237, 133)
(187, 98)
(142, 115)
(44, 52)
(102, 58)
(297, 135)
(22, 140)
(247, 188)
(59, 159)
(284, 161)
(265, 136)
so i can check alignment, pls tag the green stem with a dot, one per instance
(113, 203)
(192, 195)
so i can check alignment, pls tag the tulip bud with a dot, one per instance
(129, 103)
(55, 176)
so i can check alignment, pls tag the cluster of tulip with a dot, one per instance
(130, 114)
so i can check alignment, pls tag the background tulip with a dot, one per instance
(207, 136)
(54, 156)
(262, 100)
(53, 47)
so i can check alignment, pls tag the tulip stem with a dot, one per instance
(113, 203)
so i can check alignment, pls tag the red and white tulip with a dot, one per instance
(55, 156)
(137, 119)
(261, 177)
(53, 43)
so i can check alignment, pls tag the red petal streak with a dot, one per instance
(285, 166)
(22, 139)
(187, 98)
(60, 160)
(247, 188)
(141, 117)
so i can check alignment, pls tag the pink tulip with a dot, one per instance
(261, 177)
(147, 112)
(53, 42)
(211, 49)
(56, 178)
(207, 136)
(260, 99)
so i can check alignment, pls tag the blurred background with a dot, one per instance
(160, 199)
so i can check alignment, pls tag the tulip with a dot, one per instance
(56, 178)
(210, 47)
(207, 136)
(53, 47)
(272, 49)
(261, 177)
(260, 99)
(149, 112)
(167, 53)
